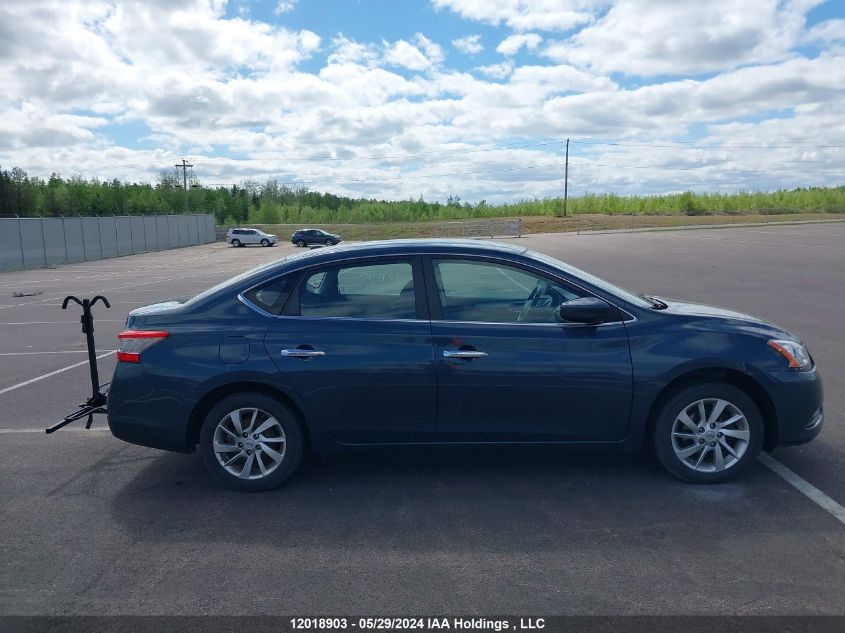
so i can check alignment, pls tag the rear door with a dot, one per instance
(354, 341)
(508, 371)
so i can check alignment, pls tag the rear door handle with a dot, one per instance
(464, 354)
(302, 354)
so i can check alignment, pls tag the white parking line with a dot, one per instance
(804, 487)
(52, 373)
(729, 239)
(62, 351)
(77, 428)
(75, 322)
(103, 291)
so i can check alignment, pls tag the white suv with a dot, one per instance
(242, 237)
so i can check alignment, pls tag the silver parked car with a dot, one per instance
(242, 237)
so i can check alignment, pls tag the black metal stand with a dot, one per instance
(97, 402)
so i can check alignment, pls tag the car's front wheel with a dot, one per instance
(330, 242)
(251, 442)
(265, 242)
(708, 433)
(300, 243)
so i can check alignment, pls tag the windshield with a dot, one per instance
(592, 280)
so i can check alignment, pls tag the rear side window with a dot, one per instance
(272, 296)
(370, 291)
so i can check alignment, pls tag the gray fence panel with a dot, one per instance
(194, 229)
(124, 235)
(162, 232)
(136, 226)
(211, 229)
(11, 257)
(184, 231)
(33, 242)
(108, 236)
(36, 242)
(54, 241)
(73, 239)
(150, 232)
(91, 238)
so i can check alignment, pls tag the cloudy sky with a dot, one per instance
(399, 98)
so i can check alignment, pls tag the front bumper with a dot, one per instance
(798, 398)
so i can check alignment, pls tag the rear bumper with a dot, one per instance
(798, 398)
(148, 410)
(148, 432)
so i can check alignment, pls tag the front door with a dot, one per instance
(354, 342)
(508, 371)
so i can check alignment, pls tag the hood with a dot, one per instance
(686, 308)
(748, 322)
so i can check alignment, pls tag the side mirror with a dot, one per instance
(586, 310)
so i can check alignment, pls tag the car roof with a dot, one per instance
(406, 247)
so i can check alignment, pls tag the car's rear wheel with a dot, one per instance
(300, 243)
(236, 243)
(708, 433)
(265, 242)
(251, 442)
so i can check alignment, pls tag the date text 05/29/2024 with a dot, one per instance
(416, 623)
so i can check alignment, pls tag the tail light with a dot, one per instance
(133, 342)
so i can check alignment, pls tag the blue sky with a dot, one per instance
(402, 98)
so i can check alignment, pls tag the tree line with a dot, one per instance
(270, 202)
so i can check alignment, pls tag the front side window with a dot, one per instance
(371, 291)
(494, 293)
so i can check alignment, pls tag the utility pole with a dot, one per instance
(566, 179)
(184, 166)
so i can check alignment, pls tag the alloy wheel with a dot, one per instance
(710, 435)
(249, 443)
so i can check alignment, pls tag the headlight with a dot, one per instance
(795, 353)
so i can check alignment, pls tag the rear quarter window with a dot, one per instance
(272, 296)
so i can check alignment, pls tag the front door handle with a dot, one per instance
(302, 354)
(464, 354)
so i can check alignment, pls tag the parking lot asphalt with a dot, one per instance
(92, 525)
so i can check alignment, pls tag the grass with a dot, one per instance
(550, 224)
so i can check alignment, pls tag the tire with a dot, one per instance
(236, 243)
(678, 433)
(284, 438)
(329, 242)
(300, 243)
(265, 243)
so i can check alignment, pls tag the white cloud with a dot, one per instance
(827, 31)
(283, 6)
(647, 38)
(521, 15)
(496, 71)
(470, 44)
(511, 45)
(422, 55)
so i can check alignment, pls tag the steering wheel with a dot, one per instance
(539, 290)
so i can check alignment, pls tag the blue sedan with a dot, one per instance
(443, 342)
